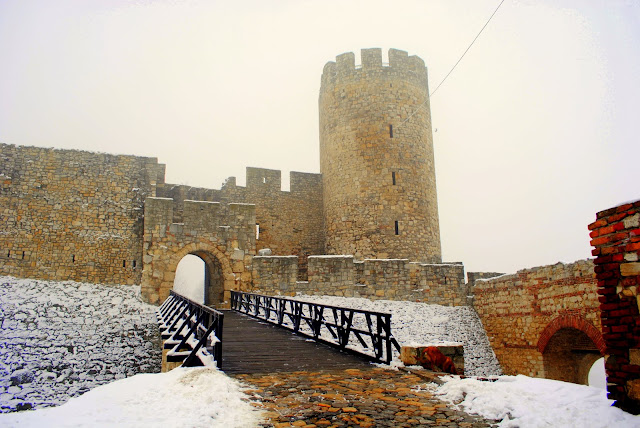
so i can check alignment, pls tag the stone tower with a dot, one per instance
(376, 158)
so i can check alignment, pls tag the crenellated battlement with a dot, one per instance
(270, 180)
(401, 65)
(198, 216)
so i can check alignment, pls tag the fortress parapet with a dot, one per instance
(344, 67)
(234, 220)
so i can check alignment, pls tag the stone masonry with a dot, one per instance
(286, 222)
(222, 235)
(375, 279)
(527, 314)
(616, 240)
(376, 158)
(67, 214)
(374, 201)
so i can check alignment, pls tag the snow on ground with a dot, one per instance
(524, 402)
(193, 397)
(420, 323)
(61, 339)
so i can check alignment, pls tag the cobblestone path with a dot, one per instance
(374, 397)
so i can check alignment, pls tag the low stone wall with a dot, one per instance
(522, 311)
(388, 279)
(274, 275)
(616, 238)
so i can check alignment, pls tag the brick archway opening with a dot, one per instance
(569, 346)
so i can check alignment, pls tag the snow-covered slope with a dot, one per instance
(61, 339)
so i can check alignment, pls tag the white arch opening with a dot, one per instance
(190, 278)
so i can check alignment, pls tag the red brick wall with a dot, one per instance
(616, 237)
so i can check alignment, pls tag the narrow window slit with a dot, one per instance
(390, 131)
(8, 253)
(397, 228)
(257, 231)
(73, 258)
(393, 178)
(133, 262)
(124, 263)
(23, 255)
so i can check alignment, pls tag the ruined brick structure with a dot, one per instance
(616, 240)
(543, 321)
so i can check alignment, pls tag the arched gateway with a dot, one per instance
(223, 236)
(570, 345)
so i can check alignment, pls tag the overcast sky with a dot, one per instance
(536, 127)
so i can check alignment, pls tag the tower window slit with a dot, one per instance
(390, 131)
(397, 228)
(124, 263)
(23, 255)
(393, 178)
(257, 231)
(133, 262)
(73, 258)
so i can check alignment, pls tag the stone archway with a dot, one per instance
(569, 346)
(219, 277)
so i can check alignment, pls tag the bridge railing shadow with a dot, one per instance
(359, 332)
(191, 332)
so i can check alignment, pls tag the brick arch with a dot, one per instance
(571, 321)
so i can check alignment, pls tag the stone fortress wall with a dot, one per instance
(92, 217)
(223, 235)
(68, 214)
(375, 279)
(376, 158)
(288, 222)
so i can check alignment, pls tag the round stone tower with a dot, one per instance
(376, 158)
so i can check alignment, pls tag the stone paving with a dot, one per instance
(374, 397)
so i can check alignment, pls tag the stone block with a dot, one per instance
(630, 269)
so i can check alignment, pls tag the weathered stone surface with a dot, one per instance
(516, 310)
(380, 152)
(363, 398)
(629, 269)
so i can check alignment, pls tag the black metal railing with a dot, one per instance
(356, 331)
(191, 332)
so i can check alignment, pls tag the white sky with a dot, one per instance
(535, 127)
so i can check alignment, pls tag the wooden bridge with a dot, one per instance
(263, 334)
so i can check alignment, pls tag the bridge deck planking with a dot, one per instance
(253, 346)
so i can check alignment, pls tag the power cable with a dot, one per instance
(454, 66)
